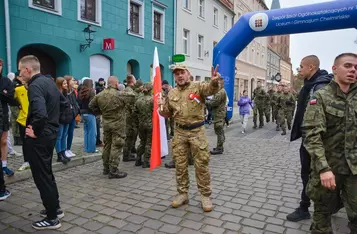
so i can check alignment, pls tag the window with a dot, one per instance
(186, 4)
(186, 41)
(201, 8)
(225, 23)
(136, 19)
(198, 78)
(215, 17)
(158, 25)
(200, 46)
(51, 6)
(90, 11)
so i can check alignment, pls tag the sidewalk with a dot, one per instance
(81, 158)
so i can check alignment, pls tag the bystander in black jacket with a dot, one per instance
(44, 109)
(7, 92)
(320, 79)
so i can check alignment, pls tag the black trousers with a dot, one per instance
(40, 153)
(98, 131)
(305, 161)
(22, 130)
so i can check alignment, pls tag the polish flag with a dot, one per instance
(159, 147)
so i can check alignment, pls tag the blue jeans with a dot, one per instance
(90, 133)
(61, 138)
(70, 134)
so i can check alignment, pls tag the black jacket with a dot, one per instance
(71, 97)
(44, 108)
(8, 97)
(320, 79)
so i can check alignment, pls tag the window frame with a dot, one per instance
(225, 23)
(215, 24)
(56, 11)
(141, 33)
(98, 13)
(200, 44)
(162, 25)
(187, 53)
(189, 5)
(203, 16)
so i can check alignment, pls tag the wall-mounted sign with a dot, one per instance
(178, 58)
(228, 3)
(108, 44)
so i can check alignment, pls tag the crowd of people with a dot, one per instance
(47, 109)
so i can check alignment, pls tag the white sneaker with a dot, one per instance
(71, 153)
(24, 166)
(14, 153)
(243, 132)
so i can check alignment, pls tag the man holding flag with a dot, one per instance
(185, 104)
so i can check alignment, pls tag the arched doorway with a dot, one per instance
(99, 67)
(52, 59)
(133, 68)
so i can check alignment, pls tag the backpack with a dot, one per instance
(66, 111)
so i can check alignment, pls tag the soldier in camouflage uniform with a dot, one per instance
(259, 102)
(111, 103)
(272, 97)
(267, 106)
(131, 124)
(276, 112)
(285, 103)
(143, 114)
(185, 104)
(218, 103)
(330, 125)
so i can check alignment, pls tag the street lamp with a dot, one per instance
(88, 34)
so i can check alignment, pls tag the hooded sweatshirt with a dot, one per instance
(319, 80)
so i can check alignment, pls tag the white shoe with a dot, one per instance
(243, 132)
(24, 166)
(71, 153)
(14, 153)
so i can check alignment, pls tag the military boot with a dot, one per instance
(261, 125)
(146, 165)
(116, 174)
(255, 125)
(105, 171)
(138, 162)
(207, 205)
(128, 157)
(218, 150)
(284, 132)
(289, 127)
(277, 128)
(170, 164)
(181, 199)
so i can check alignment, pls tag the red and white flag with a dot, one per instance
(159, 147)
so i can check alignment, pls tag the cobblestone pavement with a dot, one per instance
(256, 183)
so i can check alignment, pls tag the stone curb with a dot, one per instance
(75, 161)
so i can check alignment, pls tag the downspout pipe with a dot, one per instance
(175, 27)
(7, 34)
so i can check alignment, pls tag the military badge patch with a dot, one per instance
(313, 101)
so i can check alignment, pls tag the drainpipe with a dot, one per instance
(175, 25)
(7, 33)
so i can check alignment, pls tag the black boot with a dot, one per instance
(138, 162)
(146, 165)
(277, 128)
(105, 171)
(61, 159)
(217, 151)
(126, 157)
(298, 215)
(116, 174)
(170, 164)
(255, 126)
(64, 156)
(284, 132)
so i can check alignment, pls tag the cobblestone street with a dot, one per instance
(256, 183)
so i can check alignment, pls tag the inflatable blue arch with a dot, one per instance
(333, 15)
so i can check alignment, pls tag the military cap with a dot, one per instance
(179, 67)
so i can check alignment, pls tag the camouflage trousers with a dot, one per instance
(284, 115)
(267, 112)
(130, 140)
(170, 125)
(144, 148)
(14, 126)
(194, 140)
(219, 130)
(326, 202)
(273, 113)
(113, 146)
(258, 109)
(276, 114)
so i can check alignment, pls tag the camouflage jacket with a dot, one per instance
(330, 127)
(259, 96)
(218, 104)
(272, 97)
(285, 101)
(130, 102)
(111, 104)
(186, 111)
(143, 110)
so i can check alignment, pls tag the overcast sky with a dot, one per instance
(326, 45)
